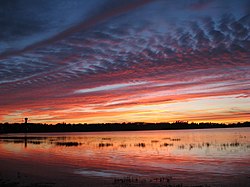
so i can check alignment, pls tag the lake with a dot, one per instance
(212, 157)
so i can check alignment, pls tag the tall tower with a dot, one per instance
(26, 120)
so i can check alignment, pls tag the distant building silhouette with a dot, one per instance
(26, 130)
(26, 125)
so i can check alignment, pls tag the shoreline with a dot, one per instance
(45, 128)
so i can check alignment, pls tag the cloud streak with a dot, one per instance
(134, 55)
(64, 30)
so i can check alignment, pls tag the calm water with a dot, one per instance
(217, 157)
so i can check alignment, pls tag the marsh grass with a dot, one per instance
(130, 181)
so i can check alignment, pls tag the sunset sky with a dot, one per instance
(82, 61)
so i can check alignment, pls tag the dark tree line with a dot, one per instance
(63, 127)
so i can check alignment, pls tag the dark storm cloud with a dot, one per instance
(24, 22)
(28, 24)
(200, 5)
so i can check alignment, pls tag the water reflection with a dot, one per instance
(105, 142)
(22, 140)
(181, 154)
